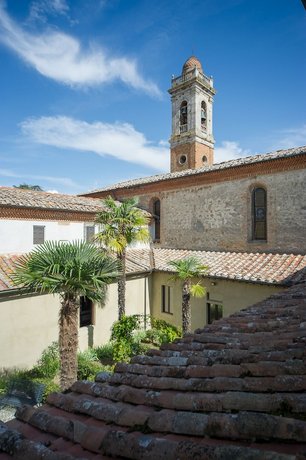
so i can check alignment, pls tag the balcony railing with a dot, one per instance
(191, 74)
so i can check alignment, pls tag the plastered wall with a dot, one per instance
(28, 325)
(233, 294)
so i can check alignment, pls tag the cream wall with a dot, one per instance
(28, 325)
(105, 316)
(235, 295)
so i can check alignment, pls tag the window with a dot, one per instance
(182, 159)
(203, 115)
(38, 234)
(156, 214)
(183, 117)
(166, 299)
(86, 311)
(89, 233)
(214, 309)
(259, 214)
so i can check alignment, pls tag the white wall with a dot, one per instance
(16, 236)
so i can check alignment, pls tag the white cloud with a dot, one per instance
(229, 150)
(60, 57)
(119, 140)
(39, 9)
(292, 137)
(65, 181)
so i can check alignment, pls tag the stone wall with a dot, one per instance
(218, 216)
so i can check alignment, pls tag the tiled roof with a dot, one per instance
(215, 167)
(7, 264)
(139, 261)
(20, 198)
(275, 269)
(234, 390)
(267, 268)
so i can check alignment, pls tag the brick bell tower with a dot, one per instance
(191, 142)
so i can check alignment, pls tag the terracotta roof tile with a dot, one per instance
(275, 269)
(20, 198)
(235, 389)
(215, 167)
(264, 268)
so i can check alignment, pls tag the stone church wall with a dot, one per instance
(218, 217)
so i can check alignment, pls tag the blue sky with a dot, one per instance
(83, 84)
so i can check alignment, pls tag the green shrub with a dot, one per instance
(49, 363)
(162, 332)
(50, 387)
(88, 365)
(105, 353)
(124, 329)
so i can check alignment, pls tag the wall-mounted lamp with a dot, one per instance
(213, 283)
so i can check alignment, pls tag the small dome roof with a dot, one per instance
(191, 63)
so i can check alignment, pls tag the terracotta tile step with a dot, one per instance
(242, 426)
(293, 404)
(139, 446)
(175, 355)
(261, 368)
(282, 383)
(15, 444)
(120, 413)
(84, 433)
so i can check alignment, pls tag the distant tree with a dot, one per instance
(122, 224)
(37, 188)
(186, 270)
(71, 270)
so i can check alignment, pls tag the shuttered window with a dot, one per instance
(89, 233)
(38, 234)
(86, 311)
(166, 299)
(214, 309)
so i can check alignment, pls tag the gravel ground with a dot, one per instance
(7, 413)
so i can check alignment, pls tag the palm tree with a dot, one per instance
(122, 224)
(186, 269)
(70, 270)
(36, 188)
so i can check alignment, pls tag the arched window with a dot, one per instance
(183, 117)
(156, 215)
(259, 213)
(203, 115)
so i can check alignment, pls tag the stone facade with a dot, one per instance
(218, 216)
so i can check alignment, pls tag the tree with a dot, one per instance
(70, 270)
(37, 188)
(186, 269)
(122, 224)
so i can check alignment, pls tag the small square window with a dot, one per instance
(38, 234)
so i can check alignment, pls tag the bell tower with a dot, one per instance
(191, 142)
